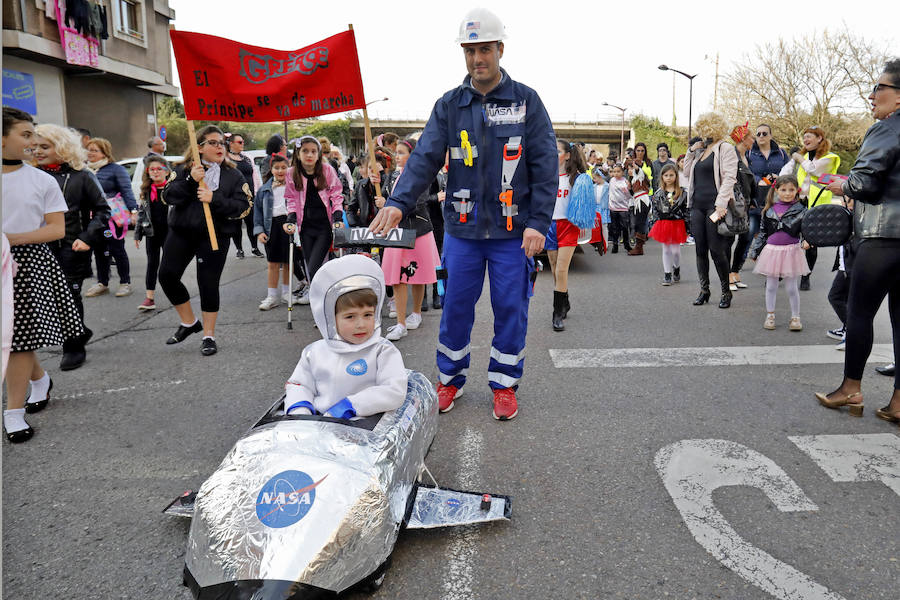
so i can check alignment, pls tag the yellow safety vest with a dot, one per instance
(818, 194)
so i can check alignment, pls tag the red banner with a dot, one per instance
(224, 80)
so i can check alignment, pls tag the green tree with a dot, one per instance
(652, 131)
(169, 107)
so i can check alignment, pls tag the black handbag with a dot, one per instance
(737, 217)
(827, 225)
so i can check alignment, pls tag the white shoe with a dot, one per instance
(303, 298)
(395, 332)
(98, 289)
(269, 303)
(392, 309)
(413, 321)
(689, 241)
(841, 346)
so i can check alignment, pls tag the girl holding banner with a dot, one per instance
(227, 195)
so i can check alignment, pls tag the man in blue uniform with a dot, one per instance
(501, 190)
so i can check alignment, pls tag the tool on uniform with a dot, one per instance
(462, 205)
(466, 146)
(512, 154)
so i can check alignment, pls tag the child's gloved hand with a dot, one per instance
(301, 408)
(342, 410)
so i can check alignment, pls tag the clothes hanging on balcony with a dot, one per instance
(78, 48)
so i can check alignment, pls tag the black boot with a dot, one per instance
(804, 283)
(676, 274)
(725, 302)
(615, 248)
(703, 298)
(667, 279)
(558, 305)
(436, 302)
(566, 306)
(74, 354)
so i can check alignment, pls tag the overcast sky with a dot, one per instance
(575, 54)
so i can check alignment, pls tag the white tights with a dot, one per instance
(671, 255)
(791, 286)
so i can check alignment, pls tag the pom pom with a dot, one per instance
(582, 210)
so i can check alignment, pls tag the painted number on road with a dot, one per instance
(692, 470)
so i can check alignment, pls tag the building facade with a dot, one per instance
(104, 75)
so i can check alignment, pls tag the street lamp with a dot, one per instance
(622, 142)
(690, 94)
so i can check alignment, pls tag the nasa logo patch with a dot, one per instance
(286, 498)
(107, 233)
(358, 367)
(454, 502)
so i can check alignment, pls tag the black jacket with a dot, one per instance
(231, 202)
(663, 210)
(87, 219)
(874, 182)
(361, 208)
(790, 222)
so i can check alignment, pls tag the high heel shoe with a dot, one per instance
(703, 298)
(725, 302)
(854, 408)
(887, 415)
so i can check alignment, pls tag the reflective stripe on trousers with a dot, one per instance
(508, 272)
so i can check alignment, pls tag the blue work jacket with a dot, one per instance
(509, 110)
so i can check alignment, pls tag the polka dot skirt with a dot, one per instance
(45, 313)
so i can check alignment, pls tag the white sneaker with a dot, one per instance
(395, 332)
(413, 321)
(269, 303)
(392, 309)
(689, 241)
(303, 298)
(841, 346)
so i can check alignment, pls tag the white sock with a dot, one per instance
(190, 324)
(272, 292)
(285, 289)
(209, 337)
(40, 388)
(14, 420)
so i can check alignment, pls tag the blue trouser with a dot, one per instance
(509, 273)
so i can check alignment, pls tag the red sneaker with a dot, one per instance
(505, 405)
(446, 395)
(147, 304)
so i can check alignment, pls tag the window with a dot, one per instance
(128, 21)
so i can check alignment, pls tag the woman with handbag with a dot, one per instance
(743, 141)
(58, 152)
(711, 166)
(874, 186)
(811, 161)
(117, 187)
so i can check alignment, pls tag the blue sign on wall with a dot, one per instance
(18, 91)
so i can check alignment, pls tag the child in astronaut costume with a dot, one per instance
(353, 371)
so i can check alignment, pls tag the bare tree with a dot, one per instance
(821, 78)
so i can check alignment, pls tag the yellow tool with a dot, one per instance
(466, 147)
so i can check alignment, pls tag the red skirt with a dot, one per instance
(669, 231)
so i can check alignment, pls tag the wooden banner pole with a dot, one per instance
(195, 155)
(370, 144)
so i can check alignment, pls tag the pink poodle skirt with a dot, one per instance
(416, 266)
(669, 231)
(782, 261)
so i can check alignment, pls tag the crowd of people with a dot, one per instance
(470, 214)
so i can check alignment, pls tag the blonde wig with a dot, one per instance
(712, 125)
(66, 142)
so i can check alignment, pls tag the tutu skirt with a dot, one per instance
(416, 266)
(669, 231)
(782, 261)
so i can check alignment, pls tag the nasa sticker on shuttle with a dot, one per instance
(286, 498)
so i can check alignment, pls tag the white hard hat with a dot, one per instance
(480, 25)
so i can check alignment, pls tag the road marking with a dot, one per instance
(692, 470)
(863, 457)
(458, 581)
(701, 357)
(119, 390)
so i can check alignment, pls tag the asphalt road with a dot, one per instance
(593, 515)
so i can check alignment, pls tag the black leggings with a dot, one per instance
(236, 236)
(837, 295)
(116, 248)
(709, 243)
(620, 224)
(153, 245)
(876, 274)
(316, 246)
(742, 243)
(179, 250)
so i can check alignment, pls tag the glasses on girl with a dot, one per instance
(213, 143)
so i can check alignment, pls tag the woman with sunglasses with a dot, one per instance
(813, 159)
(152, 221)
(766, 159)
(244, 164)
(228, 197)
(874, 186)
